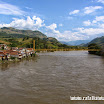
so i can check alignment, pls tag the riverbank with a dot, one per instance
(5, 64)
(16, 53)
(96, 49)
(17, 59)
(99, 53)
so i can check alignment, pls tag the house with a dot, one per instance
(3, 46)
(22, 51)
(7, 53)
(14, 48)
(11, 53)
(15, 52)
(2, 55)
(29, 51)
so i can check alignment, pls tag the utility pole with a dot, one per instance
(34, 45)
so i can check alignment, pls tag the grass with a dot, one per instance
(28, 41)
(3, 41)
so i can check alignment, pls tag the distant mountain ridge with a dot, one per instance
(77, 42)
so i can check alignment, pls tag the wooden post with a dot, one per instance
(34, 45)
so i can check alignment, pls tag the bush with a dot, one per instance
(94, 46)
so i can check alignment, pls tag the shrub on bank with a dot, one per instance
(94, 49)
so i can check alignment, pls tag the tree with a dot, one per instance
(26, 38)
(94, 46)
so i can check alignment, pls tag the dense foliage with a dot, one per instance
(9, 32)
(45, 43)
(99, 41)
(94, 47)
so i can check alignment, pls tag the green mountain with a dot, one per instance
(99, 41)
(12, 32)
(24, 38)
(76, 42)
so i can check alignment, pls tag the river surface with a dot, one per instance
(51, 78)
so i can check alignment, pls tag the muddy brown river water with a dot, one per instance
(51, 78)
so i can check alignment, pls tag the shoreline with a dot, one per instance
(18, 60)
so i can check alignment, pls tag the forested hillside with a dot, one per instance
(99, 41)
(24, 38)
(12, 32)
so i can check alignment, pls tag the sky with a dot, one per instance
(66, 20)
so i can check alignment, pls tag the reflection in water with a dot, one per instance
(52, 78)
(5, 65)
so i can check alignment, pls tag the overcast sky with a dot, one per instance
(66, 20)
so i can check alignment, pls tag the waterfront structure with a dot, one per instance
(16, 52)
(14, 48)
(2, 55)
(3, 46)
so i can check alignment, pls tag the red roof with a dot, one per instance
(1, 52)
(13, 53)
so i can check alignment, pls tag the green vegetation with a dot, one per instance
(45, 43)
(95, 47)
(9, 32)
(97, 43)
(24, 38)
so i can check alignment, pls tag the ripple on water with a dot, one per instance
(53, 78)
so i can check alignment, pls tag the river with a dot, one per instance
(51, 78)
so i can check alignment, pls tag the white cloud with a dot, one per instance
(87, 23)
(87, 10)
(9, 9)
(98, 18)
(29, 23)
(53, 27)
(28, 8)
(91, 9)
(81, 34)
(96, 22)
(74, 12)
(101, 26)
(102, 1)
(64, 36)
(90, 31)
(35, 23)
(39, 22)
(69, 36)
